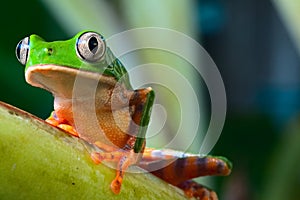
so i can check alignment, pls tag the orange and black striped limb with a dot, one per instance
(176, 171)
(179, 170)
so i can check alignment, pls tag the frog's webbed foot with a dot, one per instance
(194, 189)
(66, 127)
(124, 160)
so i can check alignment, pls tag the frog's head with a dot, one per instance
(47, 63)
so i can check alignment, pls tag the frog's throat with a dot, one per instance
(61, 79)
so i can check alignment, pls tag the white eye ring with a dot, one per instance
(22, 50)
(90, 47)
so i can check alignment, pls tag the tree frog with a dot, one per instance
(121, 113)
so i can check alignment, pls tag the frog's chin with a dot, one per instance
(61, 80)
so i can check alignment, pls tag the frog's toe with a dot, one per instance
(69, 129)
(52, 121)
(96, 157)
(116, 185)
(124, 159)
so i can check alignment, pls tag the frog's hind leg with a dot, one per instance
(194, 189)
(178, 169)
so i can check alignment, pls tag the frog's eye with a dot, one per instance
(90, 47)
(22, 50)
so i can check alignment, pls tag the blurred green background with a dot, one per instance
(255, 45)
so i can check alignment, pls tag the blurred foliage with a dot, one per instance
(289, 11)
(248, 140)
(283, 176)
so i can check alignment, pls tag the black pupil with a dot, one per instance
(93, 45)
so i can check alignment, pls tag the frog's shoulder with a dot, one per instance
(116, 68)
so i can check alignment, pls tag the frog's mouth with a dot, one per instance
(62, 80)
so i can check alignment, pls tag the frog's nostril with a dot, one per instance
(49, 51)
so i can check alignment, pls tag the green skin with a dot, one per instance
(64, 54)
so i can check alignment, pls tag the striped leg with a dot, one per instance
(178, 168)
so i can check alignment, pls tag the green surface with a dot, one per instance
(41, 162)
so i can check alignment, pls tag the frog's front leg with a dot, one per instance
(140, 106)
(124, 160)
(53, 120)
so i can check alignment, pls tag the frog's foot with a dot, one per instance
(194, 189)
(51, 120)
(69, 129)
(124, 160)
(66, 127)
